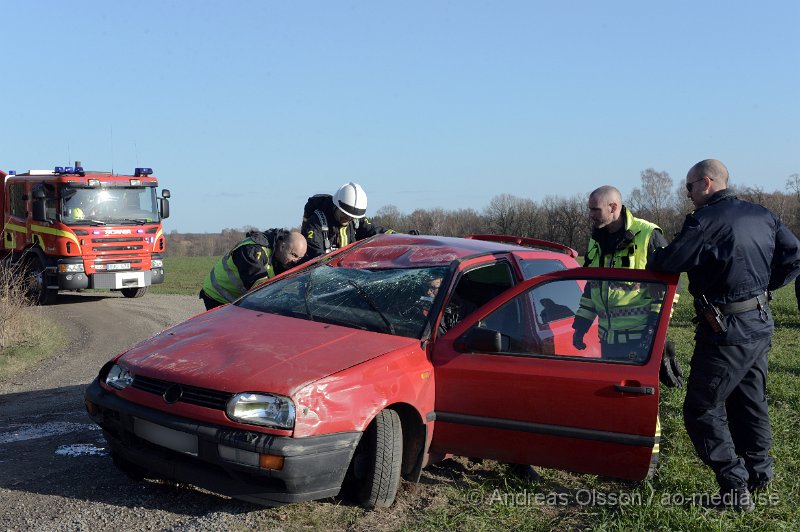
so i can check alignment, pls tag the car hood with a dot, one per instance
(234, 349)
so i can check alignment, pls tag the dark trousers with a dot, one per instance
(725, 411)
(209, 302)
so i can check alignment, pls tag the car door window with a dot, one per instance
(475, 288)
(540, 321)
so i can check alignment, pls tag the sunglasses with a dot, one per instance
(691, 183)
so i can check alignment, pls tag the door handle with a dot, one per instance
(638, 390)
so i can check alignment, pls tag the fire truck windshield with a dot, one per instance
(106, 206)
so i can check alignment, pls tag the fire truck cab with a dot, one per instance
(70, 229)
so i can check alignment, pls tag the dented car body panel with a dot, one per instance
(465, 343)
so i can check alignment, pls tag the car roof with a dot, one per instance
(416, 251)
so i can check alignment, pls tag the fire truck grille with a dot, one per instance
(183, 392)
(106, 244)
(116, 248)
(104, 240)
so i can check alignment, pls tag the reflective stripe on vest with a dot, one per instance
(224, 283)
(623, 307)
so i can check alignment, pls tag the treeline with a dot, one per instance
(658, 199)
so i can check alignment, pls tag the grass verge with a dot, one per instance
(35, 339)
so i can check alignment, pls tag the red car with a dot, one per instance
(370, 363)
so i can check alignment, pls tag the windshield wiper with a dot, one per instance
(365, 297)
(137, 221)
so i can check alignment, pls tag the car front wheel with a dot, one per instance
(377, 460)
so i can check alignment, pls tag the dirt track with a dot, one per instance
(55, 473)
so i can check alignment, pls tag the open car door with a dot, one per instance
(511, 386)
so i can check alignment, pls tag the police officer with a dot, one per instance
(332, 222)
(734, 252)
(619, 240)
(260, 255)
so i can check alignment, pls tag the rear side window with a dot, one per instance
(555, 300)
(533, 267)
(15, 202)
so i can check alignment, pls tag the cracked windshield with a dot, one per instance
(389, 301)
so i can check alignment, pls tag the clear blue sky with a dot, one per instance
(246, 108)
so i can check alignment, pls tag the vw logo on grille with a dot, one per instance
(173, 394)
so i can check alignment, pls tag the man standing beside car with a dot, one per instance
(734, 252)
(259, 256)
(620, 240)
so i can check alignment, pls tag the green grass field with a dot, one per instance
(458, 494)
(184, 275)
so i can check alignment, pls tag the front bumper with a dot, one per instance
(314, 467)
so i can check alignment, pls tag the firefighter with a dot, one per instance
(620, 240)
(332, 222)
(734, 252)
(259, 256)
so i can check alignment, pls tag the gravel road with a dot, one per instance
(55, 473)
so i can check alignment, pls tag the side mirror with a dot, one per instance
(165, 193)
(480, 340)
(164, 206)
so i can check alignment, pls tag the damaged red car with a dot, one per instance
(363, 367)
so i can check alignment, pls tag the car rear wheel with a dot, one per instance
(134, 292)
(376, 463)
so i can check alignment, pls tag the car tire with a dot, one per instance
(377, 460)
(36, 284)
(134, 292)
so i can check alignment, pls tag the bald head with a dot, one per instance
(605, 208)
(704, 179)
(290, 249)
(711, 168)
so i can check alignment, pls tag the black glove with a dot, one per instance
(413, 232)
(577, 340)
(670, 374)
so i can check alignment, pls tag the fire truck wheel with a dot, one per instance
(134, 292)
(37, 289)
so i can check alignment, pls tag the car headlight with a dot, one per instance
(157, 263)
(119, 377)
(262, 409)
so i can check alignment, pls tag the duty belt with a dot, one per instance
(621, 337)
(758, 302)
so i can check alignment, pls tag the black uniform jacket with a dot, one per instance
(733, 250)
(315, 235)
(251, 261)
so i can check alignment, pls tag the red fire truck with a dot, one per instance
(71, 229)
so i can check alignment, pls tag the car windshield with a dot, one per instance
(392, 301)
(113, 205)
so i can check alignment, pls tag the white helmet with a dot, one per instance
(351, 200)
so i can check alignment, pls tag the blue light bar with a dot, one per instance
(142, 171)
(12, 172)
(68, 170)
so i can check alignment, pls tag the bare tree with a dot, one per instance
(501, 214)
(653, 200)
